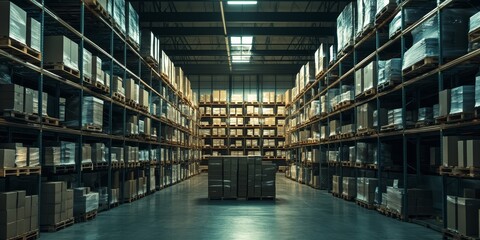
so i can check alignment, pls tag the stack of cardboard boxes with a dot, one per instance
(463, 213)
(56, 203)
(85, 201)
(19, 214)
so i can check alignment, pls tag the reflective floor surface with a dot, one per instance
(184, 212)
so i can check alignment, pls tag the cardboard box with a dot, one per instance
(21, 199)
(61, 50)
(20, 227)
(450, 151)
(11, 97)
(468, 216)
(130, 90)
(8, 216)
(33, 34)
(444, 101)
(223, 96)
(13, 22)
(358, 82)
(462, 153)
(216, 95)
(50, 219)
(8, 200)
(8, 231)
(370, 76)
(7, 158)
(473, 153)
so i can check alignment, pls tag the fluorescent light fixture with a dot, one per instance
(242, 2)
(241, 59)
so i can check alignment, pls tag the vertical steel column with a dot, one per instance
(80, 121)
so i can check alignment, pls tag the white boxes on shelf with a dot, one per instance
(61, 50)
(13, 22)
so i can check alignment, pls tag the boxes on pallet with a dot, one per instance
(450, 151)
(13, 22)
(444, 100)
(85, 201)
(149, 46)
(119, 14)
(33, 156)
(33, 34)
(12, 97)
(133, 26)
(366, 10)
(91, 115)
(463, 99)
(131, 90)
(86, 153)
(117, 86)
(345, 27)
(389, 70)
(425, 114)
(143, 98)
(321, 60)
(337, 184)
(87, 64)
(61, 50)
(98, 153)
(54, 207)
(359, 82)
(370, 76)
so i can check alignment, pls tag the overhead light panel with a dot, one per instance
(242, 2)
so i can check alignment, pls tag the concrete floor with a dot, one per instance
(183, 212)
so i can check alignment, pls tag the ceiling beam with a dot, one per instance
(254, 52)
(242, 31)
(233, 17)
(214, 69)
(259, 1)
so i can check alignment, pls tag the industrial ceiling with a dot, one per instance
(285, 33)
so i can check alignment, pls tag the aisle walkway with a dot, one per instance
(183, 212)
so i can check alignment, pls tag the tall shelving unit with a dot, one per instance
(242, 130)
(96, 32)
(417, 88)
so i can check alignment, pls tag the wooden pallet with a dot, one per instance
(95, 5)
(345, 49)
(440, 120)
(132, 42)
(385, 13)
(60, 168)
(87, 166)
(390, 213)
(132, 103)
(347, 198)
(473, 172)
(100, 87)
(63, 71)
(364, 204)
(443, 170)
(371, 166)
(346, 164)
(26, 236)
(460, 117)
(391, 127)
(20, 50)
(132, 164)
(19, 116)
(91, 128)
(86, 217)
(100, 165)
(423, 124)
(20, 171)
(130, 200)
(367, 93)
(474, 36)
(365, 132)
(118, 164)
(421, 66)
(359, 165)
(365, 31)
(57, 227)
(46, 120)
(449, 234)
(387, 85)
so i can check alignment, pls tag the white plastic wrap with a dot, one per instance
(86, 203)
(17, 22)
(425, 114)
(366, 10)
(67, 153)
(345, 27)
(99, 152)
(92, 111)
(35, 34)
(389, 70)
(463, 99)
(424, 48)
(86, 153)
(133, 24)
(474, 23)
(436, 110)
(87, 64)
(33, 157)
(21, 156)
(119, 14)
(117, 154)
(381, 4)
(362, 152)
(52, 156)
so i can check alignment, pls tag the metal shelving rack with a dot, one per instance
(226, 150)
(86, 26)
(411, 163)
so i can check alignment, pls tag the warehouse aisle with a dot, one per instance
(183, 212)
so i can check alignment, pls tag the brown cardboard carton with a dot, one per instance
(20, 227)
(223, 95)
(34, 223)
(51, 187)
(28, 207)
(8, 216)
(7, 158)
(8, 200)
(468, 216)
(34, 205)
(21, 198)
(8, 231)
